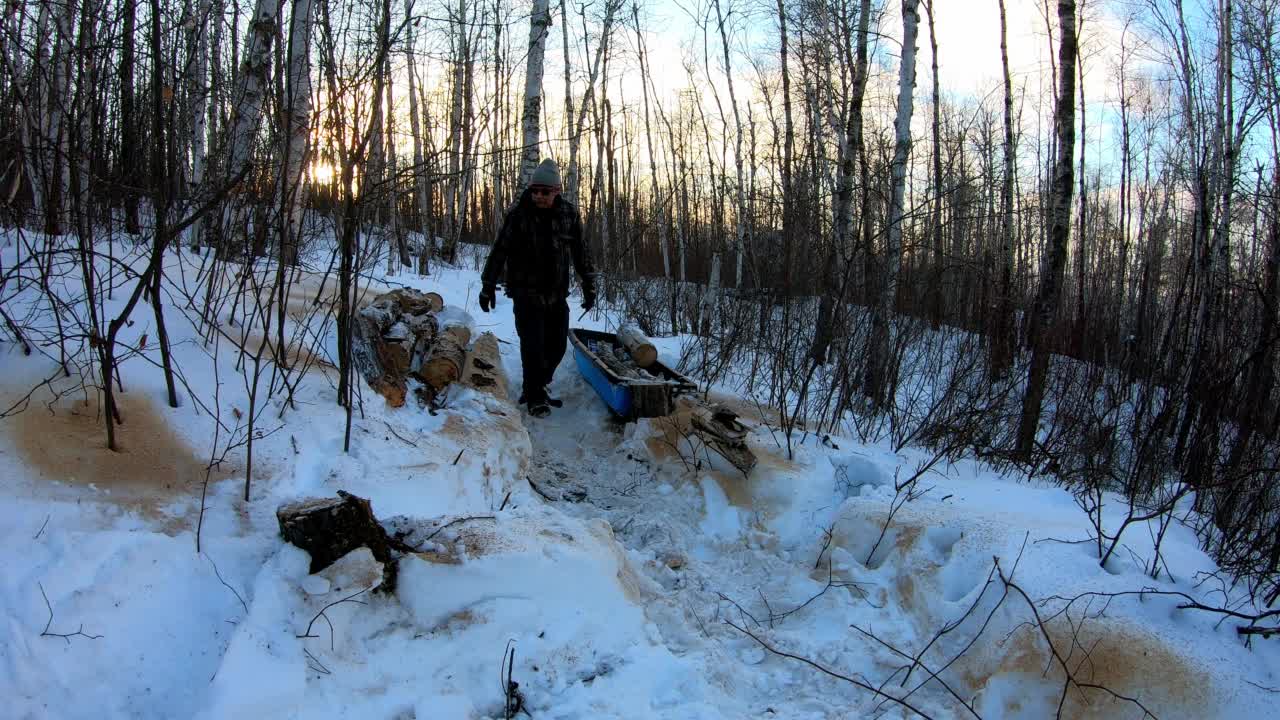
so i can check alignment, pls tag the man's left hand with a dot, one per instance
(588, 299)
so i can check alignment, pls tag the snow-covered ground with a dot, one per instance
(631, 573)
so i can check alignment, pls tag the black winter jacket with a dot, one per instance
(535, 248)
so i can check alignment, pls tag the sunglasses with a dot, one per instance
(543, 191)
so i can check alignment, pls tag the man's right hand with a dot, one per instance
(488, 298)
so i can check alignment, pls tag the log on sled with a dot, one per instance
(628, 390)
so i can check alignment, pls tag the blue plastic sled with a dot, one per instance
(627, 397)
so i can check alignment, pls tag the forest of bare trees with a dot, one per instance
(1073, 273)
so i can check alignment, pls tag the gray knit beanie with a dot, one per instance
(547, 173)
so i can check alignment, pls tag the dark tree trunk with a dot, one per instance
(1046, 304)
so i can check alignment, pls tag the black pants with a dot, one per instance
(544, 334)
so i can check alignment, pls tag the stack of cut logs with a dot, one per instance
(399, 336)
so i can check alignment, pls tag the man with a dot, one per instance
(540, 236)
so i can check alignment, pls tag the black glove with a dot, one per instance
(588, 298)
(487, 298)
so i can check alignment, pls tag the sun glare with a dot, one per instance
(322, 173)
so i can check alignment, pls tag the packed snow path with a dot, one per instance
(787, 555)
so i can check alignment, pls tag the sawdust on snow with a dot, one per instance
(151, 467)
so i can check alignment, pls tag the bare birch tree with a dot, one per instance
(879, 361)
(297, 123)
(539, 28)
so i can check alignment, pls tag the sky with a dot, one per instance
(968, 37)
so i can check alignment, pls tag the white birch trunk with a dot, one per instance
(419, 171)
(24, 111)
(57, 133)
(468, 138)
(502, 115)
(682, 276)
(879, 384)
(199, 102)
(539, 26)
(710, 297)
(901, 151)
(36, 127)
(88, 35)
(249, 94)
(570, 189)
(598, 186)
(852, 136)
(376, 162)
(251, 85)
(216, 84)
(398, 249)
(298, 124)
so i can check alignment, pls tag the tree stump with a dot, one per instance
(328, 528)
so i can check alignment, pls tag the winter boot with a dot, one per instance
(552, 401)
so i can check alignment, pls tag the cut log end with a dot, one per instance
(442, 365)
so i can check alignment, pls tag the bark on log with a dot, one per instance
(443, 362)
(387, 333)
(718, 426)
(416, 302)
(610, 358)
(637, 345)
(329, 528)
(374, 359)
(483, 370)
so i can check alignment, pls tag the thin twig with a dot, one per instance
(538, 490)
(64, 636)
(1061, 661)
(42, 527)
(852, 681)
(455, 522)
(917, 662)
(319, 666)
(827, 535)
(226, 584)
(1263, 688)
(410, 443)
(321, 614)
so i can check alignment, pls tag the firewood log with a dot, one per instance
(444, 360)
(637, 345)
(483, 368)
(609, 357)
